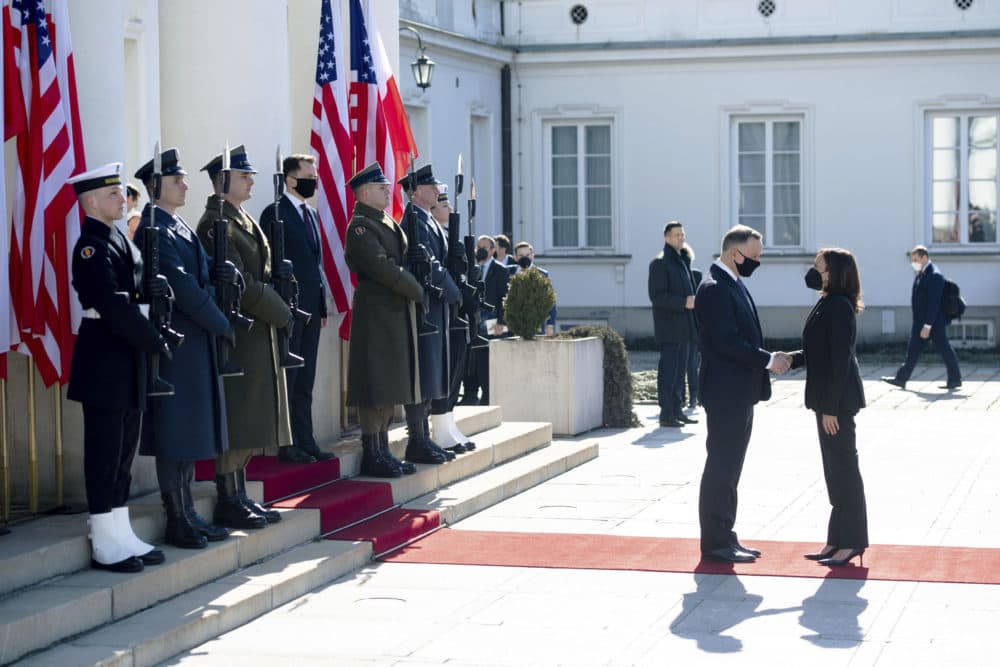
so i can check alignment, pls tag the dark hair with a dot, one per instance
(670, 227)
(843, 275)
(737, 235)
(503, 242)
(131, 190)
(920, 250)
(294, 162)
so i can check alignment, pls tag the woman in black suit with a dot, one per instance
(834, 391)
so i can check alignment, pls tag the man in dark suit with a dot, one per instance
(495, 277)
(929, 322)
(734, 377)
(524, 257)
(671, 291)
(303, 247)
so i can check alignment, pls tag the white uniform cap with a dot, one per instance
(103, 176)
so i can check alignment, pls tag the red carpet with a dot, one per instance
(280, 479)
(344, 502)
(655, 554)
(391, 529)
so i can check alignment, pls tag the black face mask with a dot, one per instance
(524, 262)
(481, 254)
(305, 187)
(748, 266)
(814, 279)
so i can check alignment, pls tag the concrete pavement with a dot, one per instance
(932, 475)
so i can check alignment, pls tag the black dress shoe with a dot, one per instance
(729, 554)
(671, 422)
(753, 552)
(458, 448)
(837, 562)
(152, 557)
(951, 386)
(469, 446)
(894, 382)
(132, 564)
(294, 455)
(684, 419)
(312, 450)
(418, 450)
(821, 555)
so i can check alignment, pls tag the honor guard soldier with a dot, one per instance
(108, 374)
(382, 369)
(189, 425)
(257, 401)
(435, 379)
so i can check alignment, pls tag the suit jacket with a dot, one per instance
(497, 278)
(303, 248)
(513, 268)
(928, 287)
(670, 284)
(733, 363)
(109, 356)
(833, 380)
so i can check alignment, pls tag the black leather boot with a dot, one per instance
(272, 516)
(211, 532)
(450, 456)
(383, 443)
(180, 533)
(419, 448)
(373, 463)
(229, 509)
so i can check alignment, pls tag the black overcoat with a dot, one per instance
(110, 354)
(833, 379)
(303, 248)
(670, 284)
(191, 424)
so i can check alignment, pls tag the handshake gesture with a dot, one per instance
(782, 362)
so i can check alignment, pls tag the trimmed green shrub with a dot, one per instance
(617, 376)
(529, 300)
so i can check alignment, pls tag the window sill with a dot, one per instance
(583, 257)
(965, 252)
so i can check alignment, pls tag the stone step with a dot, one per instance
(64, 606)
(193, 618)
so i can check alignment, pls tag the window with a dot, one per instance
(962, 172)
(768, 185)
(971, 333)
(580, 181)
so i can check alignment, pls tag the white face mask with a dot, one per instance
(917, 266)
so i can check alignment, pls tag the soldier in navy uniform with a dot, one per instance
(190, 425)
(304, 250)
(108, 374)
(435, 379)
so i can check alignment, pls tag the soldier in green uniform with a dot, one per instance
(257, 402)
(382, 371)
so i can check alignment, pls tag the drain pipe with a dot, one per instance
(506, 166)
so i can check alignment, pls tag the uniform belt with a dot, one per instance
(91, 314)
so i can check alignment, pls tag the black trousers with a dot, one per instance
(729, 429)
(670, 378)
(110, 440)
(305, 343)
(916, 346)
(459, 354)
(173, 475)
(848, 526)
(478, 364)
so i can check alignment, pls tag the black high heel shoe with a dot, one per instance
(821, 555)
(837, 562)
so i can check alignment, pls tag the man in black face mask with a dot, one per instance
(524, 256)
(733, 378)
(495, 277)
(303, 246)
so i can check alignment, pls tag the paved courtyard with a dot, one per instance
(932, 475)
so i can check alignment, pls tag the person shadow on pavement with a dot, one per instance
(706, 617)
(832, 612)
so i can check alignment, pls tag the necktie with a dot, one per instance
(308, 221)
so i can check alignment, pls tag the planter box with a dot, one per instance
(558, 380)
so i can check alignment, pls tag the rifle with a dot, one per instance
(473, 310)
(418, 259)
(456, 262)
(227, 293)
(286, 287)
(159, 307)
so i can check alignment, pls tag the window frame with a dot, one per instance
(964, 181)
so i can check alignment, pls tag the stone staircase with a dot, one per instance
(55, 610)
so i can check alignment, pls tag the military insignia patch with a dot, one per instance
(87, 252)
(359, 230)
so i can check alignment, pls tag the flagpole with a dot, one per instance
(4, 461)
(60, 472)
(32, 442)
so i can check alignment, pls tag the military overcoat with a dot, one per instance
(383, 367)
(256, 402)
(435, 357)
(191, 424)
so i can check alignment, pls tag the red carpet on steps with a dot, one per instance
(391, 529)
(280, 479)
(658, 554)
(344, 502)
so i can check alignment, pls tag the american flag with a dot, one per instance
(331, 141)
(379, 126)
(46, 222)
